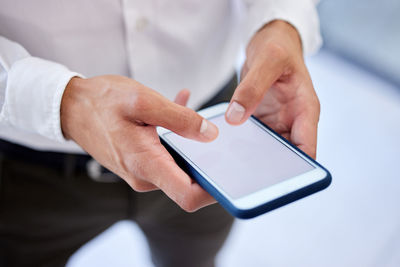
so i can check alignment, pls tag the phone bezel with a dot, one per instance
(255, 200)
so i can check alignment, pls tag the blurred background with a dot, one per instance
(356, 221)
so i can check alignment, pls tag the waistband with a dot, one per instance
(66, 163)
(55, 159)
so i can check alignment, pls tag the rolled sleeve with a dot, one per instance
(301, 14)
(33, 96)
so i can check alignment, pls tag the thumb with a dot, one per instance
(251, 91)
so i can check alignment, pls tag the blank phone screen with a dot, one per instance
(243, 159)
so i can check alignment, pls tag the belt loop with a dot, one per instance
(100, 174)
(69, 166)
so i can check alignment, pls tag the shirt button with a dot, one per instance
(141, 24)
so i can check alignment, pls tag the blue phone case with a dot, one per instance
(253, 212)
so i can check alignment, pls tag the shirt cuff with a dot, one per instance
(301, 14)
(33, 96)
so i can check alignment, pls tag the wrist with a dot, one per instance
(277, 33)
(291, 31)
(283, 27)
(68, 103)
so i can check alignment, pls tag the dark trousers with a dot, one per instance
(48, 210)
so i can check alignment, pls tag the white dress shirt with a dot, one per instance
(166, 45)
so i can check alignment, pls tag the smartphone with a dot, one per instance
(249, 169)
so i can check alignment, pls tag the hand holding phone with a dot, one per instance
(249, 168)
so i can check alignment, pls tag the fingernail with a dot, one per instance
(208, 129)
(235, 112)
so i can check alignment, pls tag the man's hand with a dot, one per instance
(114, 119)
(277, 88)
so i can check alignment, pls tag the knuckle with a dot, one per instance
(316, 107)
(134, 184)
(133, 171)
(249, 92)
(124, 162)
(185, 121)
(189, 121)
(188, 203)
(138, 186)
(139, 103)
(253, 91)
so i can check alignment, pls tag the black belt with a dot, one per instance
(68, 164)
(56, 160)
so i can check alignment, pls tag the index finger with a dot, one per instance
(157, 110)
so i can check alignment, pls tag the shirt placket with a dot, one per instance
(139, 24)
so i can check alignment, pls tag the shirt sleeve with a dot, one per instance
(31, 89)
(301, 14)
